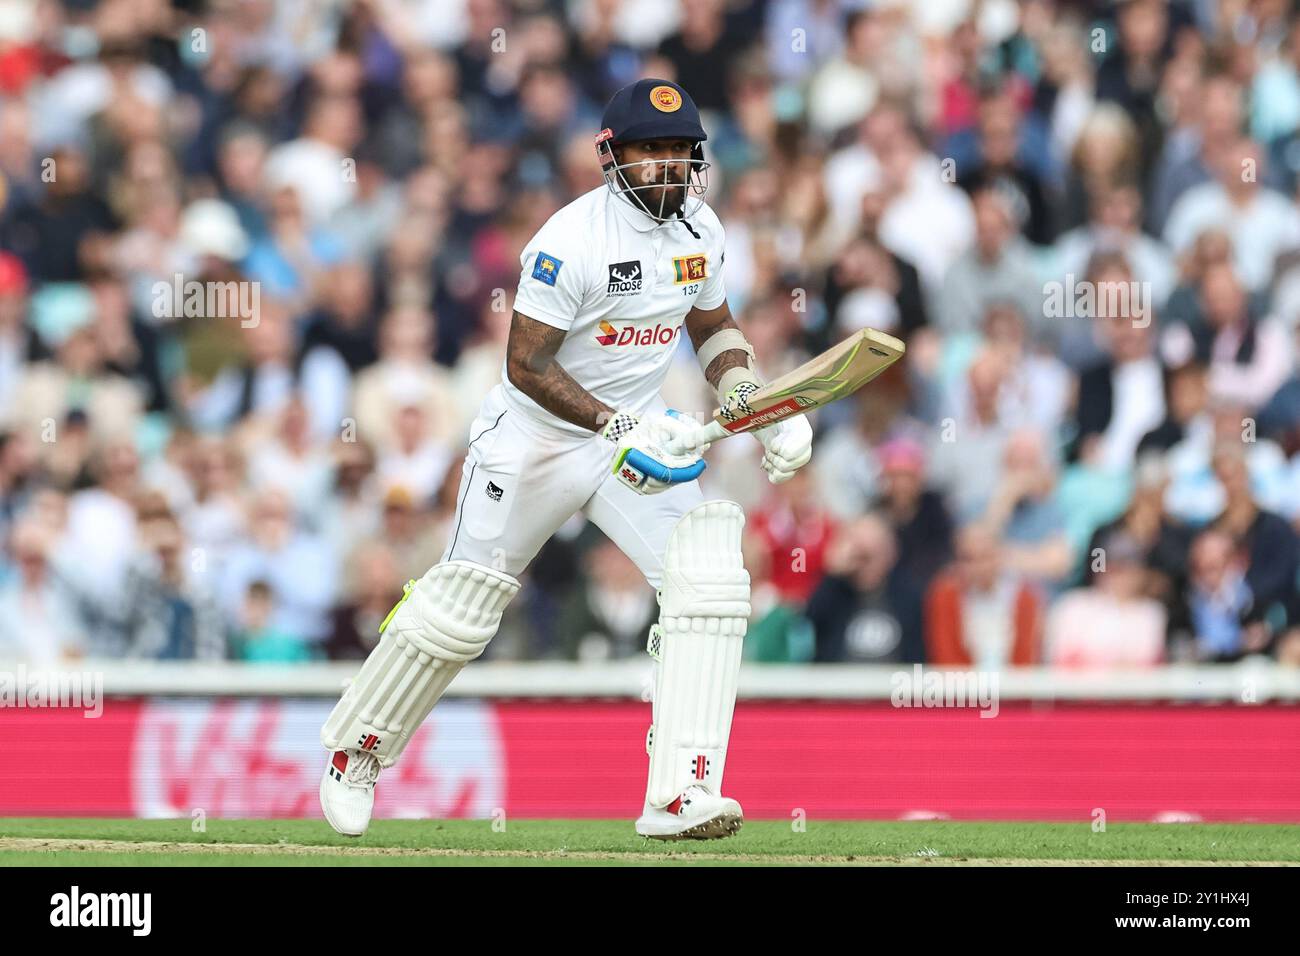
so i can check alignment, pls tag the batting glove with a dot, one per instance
(787, 447)
(641, 460)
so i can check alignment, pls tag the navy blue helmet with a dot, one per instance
(654, 109)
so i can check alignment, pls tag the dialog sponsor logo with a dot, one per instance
(631, 335)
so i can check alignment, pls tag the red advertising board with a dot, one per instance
(831, 760)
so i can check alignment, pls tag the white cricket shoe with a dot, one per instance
(696, 815)
(347, 790)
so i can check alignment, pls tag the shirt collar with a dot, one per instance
(638, 220)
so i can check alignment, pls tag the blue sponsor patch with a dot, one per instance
(546, 268)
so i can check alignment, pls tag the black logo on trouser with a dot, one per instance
(494, 492)
(625, 278)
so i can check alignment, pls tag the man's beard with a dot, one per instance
(669, 203)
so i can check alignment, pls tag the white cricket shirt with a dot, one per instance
(620, 284)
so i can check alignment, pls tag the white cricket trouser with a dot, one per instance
(522, 480)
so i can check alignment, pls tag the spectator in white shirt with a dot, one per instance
(997, 267)
(38, 624)
(1261, 222)
(928, 220)
(967, 449)
(404, 374)
(1037, 388)
(313, 163)
(1115, 226)
(417, 459)
(292, 458)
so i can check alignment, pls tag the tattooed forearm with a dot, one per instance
(732, 358)
(532, 368)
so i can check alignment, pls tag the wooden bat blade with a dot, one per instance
(836, 373)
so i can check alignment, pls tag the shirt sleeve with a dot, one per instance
(551, 278)
(714, 292)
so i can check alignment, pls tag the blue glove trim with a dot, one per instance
(657, 470)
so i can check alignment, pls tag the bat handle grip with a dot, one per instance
(710, 432)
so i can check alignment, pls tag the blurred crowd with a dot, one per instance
(257, 260)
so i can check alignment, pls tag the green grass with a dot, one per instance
(605, 842)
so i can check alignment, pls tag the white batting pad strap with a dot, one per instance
(704, 609)
(722, 341)
(444, 622)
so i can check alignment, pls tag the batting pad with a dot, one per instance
(703, 612)
(445, 620)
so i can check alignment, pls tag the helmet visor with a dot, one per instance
(661, 188)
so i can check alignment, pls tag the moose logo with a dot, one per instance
(624, 278)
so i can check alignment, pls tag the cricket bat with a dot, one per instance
(838, 372)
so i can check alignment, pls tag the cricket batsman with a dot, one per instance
(577, 424)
